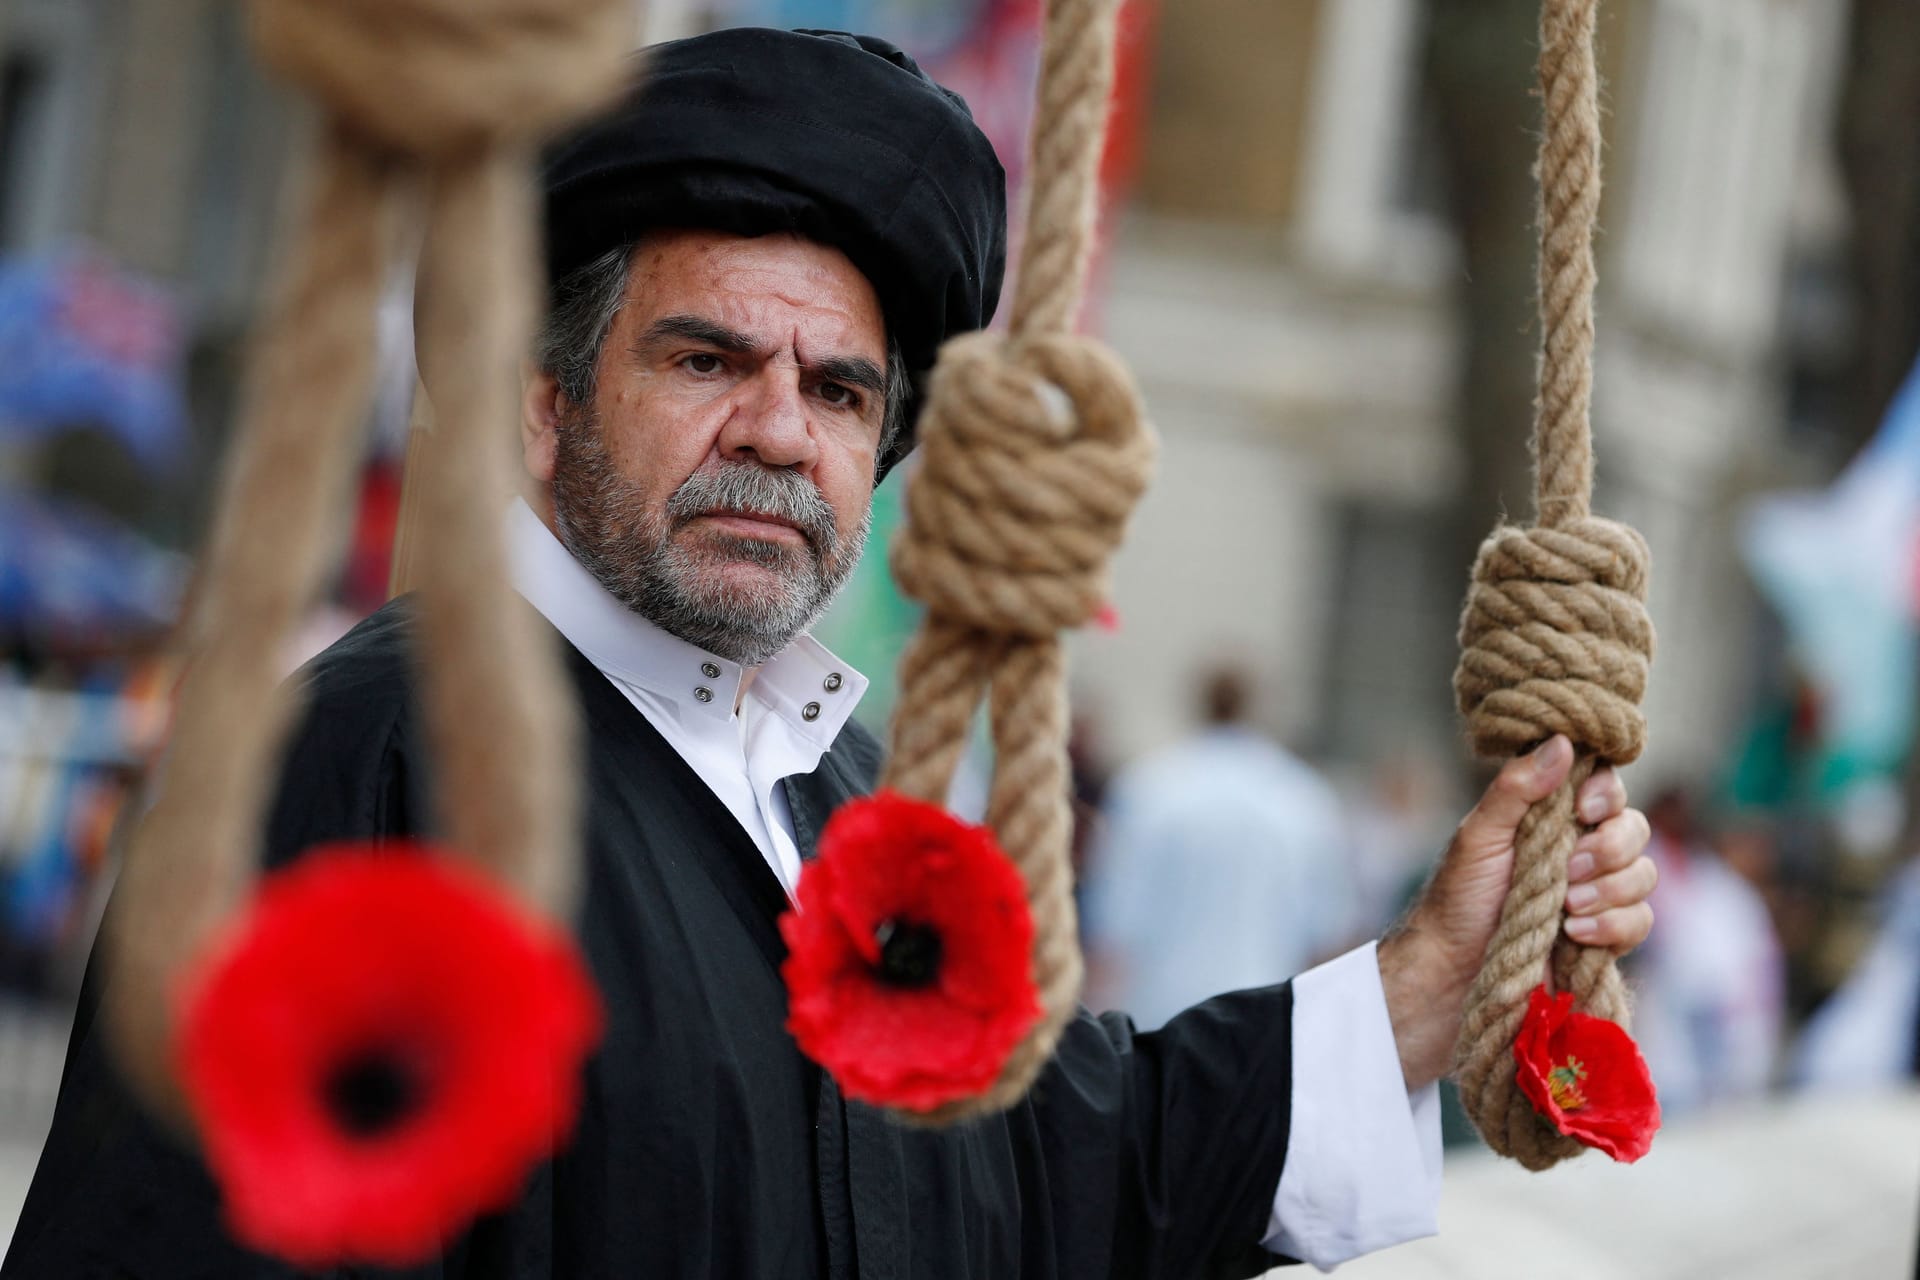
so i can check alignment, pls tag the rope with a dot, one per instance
(444, 94)
(1555, 636)
(1033, 451)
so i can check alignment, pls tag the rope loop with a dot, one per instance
(455, 90)
(1033, 454)
(1555, 638)
(438, 77)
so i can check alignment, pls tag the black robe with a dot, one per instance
(707, 1145)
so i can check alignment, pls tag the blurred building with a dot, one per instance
(141, 125)
(1284, 293)
(142, 128)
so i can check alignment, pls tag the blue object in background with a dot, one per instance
(64, 755)
(88, 344)
(65, 568)
(38, 892)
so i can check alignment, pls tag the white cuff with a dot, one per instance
(1363, 1154)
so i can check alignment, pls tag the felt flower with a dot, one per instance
(379, 1051)
(1586, 1077)
(909, 974)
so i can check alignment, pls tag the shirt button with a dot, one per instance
(710, 671)
(702, 694)
(832, 683)
(810, 712)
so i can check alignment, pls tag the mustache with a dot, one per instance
(747, 488)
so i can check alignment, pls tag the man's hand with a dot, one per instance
(1429, 960)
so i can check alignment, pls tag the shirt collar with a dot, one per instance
(804, 684)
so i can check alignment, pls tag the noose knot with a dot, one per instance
(1032, 455)
(1555, 638)
(433, 77)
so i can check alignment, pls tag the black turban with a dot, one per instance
(840, 138)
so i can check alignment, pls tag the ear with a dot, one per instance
(542, 405)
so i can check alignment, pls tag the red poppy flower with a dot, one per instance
(380, 1051)
(909, 973)
(1586, 1077)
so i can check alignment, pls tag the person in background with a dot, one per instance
(1222, 864)
(1396, 818)
(1713, 984)
(1867, 1034)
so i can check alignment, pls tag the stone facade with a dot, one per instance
(1299, 363)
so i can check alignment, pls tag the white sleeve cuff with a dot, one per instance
(1363, 1154)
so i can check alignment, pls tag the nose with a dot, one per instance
(769, 421)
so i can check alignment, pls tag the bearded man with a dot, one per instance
(751, 259)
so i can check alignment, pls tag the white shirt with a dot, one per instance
(789, 715)
(1363, 1158)
(1222, 865)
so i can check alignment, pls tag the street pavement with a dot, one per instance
(33, 1044)
(1792, 1189)
(16, 1170)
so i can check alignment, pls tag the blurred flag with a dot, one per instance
(1842, 567)
(90, 345)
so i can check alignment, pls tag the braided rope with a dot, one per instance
(453, 90)
(1033, 450)
(1554, 637)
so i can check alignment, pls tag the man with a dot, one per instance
(1223, 862)
(746, 259)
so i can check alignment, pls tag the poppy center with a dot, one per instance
(372, 1092)
(1563, 1085)
(909, 953)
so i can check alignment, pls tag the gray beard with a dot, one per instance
(679, 583)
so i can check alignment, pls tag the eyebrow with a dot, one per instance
(697, 329)
(852, 371)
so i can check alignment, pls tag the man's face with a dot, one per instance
(720, 480)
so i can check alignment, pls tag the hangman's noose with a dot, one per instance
(1033, 451)
(1555, 636)
(448, 96)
